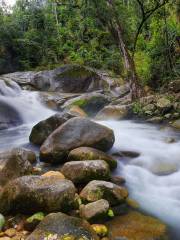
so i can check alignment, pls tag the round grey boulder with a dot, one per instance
(31, 194)
(44, 128)
(76, 132)
(85, 171)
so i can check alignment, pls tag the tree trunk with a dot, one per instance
(135, 88)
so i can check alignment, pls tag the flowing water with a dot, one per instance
(153, 178)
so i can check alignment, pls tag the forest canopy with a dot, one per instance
(119, 36)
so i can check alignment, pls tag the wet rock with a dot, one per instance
(87, 153)
(164, 104)
(76, 132)
(176, 124)
(85, 171)
(134, 225)
(44, 128)
(2, 221)
(31, 222)
(61, 226)
(77, 111)
(118, 180)
(100, 229)
(95, 211)
(155, 120)
(31, 194)
(127, 154)
(91, 103)
(54, 174)
(112, 112)
(96, 190)
(120, 209)
(15, 163)
(174, 86)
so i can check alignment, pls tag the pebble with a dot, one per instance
(11, 232)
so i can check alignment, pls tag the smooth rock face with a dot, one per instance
(44, 128)
(61, 226)
(76, 132)
(136, 226)
(94, 211)
(15, 163)
(91, 103)
(96, 190)
(87, 153)
(112, 112)
(85, 171)
(31, 194)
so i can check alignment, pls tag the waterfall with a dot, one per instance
(19, 111)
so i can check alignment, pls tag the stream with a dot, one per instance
(153, 178)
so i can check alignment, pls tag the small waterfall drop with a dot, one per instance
(19, 111)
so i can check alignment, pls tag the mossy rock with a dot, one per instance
(136, 226)
(91, 103)
(96, 190)
(59, 226)
(87, 153)
(31, 194)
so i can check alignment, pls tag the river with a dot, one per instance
(153, 178)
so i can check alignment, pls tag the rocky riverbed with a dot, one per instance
(67, 174)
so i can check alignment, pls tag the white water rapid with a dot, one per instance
(153, 178)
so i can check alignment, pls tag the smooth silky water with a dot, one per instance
(153, 178)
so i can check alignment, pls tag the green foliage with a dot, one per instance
(137, 108)
(43, 35)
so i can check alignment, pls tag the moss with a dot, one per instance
(37, 216)
(136, 226)
(100, 229)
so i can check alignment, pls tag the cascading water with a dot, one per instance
(21, 110)
(153, 178)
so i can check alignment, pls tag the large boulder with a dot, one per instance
(91, 103)
(15, 163)
(44, 128)
(136, 226)
(31, 194)
(96, 190)
(76, 132)
(60, 226)
(85, 171)
(88, 153)
(68, 78)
